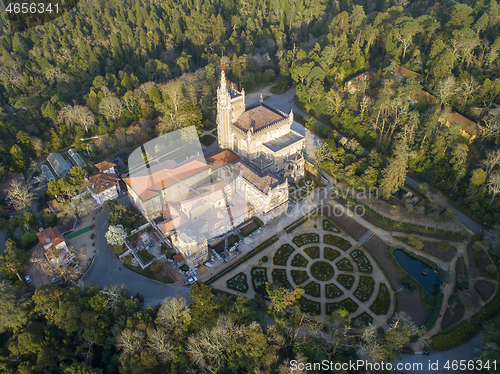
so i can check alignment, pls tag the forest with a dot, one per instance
(98, 69)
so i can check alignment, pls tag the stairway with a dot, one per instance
(366, 236)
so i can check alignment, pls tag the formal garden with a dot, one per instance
(332, 269)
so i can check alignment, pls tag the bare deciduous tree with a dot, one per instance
(20, 195)
(494, 184)
(111, 107)
(446, 89)
(492, 160)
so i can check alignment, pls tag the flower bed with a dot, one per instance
(307, 238)
(299, 276)
(309, 306)
(280, 278)
(364, 319)
(281, 256)
(312, 252)
(238, 283)
(259, 280)
(322, 270)
(348, 304)
(299, 261)
(345, 265)
(332, 291)
(382, 302)
(337, 241)
(331, 254)
(362, 261)
(365, 288)
(346, 280)
(313, 289)
(328, 226)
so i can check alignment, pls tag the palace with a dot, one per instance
(195, 203)
(260, 135)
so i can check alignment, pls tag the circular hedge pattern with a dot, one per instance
(322, 271)
(318, 256)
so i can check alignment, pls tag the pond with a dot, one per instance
(415, 268)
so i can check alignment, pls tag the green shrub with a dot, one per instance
(443, 246)
(156, 267)
(127, 260)
(118, 249)
(454, 336)
(414, 241)
(435, 312)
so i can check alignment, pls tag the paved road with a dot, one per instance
(466, 351)
(106, 271)
(467, 221)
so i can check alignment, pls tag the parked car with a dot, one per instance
(190, 281)
(27, 279)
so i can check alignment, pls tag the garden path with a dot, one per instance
(308, 227)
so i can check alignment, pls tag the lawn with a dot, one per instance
(145, 256)
(79, 232)
(238, 283)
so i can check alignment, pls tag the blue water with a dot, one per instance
(415, 267)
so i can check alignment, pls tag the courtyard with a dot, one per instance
(331, 267)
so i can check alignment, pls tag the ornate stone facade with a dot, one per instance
(260, 135)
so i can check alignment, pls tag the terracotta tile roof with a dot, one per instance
(51, 234)
(221, 157)
(468, 126)
(54, 205)
(258, 118)
(399, 70)
(425, 97)
(102, 182)
(178, 257)
(105, 165)
(147, 183)
(262, 182)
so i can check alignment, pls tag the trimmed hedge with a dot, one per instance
(435, 312)
(249, 255)
(464, 331)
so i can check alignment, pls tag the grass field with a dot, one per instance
(79, 232)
